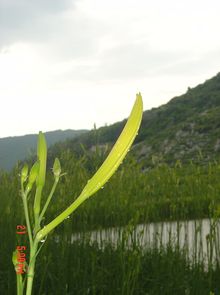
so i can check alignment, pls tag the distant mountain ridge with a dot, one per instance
(186, 128)
(13, 149)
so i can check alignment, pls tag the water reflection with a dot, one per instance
(197, 239)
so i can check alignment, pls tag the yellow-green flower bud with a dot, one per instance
(24, 173)
(33, 175)
(42, 157)
(56, 168)
(14, 257)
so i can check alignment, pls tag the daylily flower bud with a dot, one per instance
(42, 157)
(24, 173)
(33, 175)
(56, 168)
(14, 257)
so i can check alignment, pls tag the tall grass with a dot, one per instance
(162, 194)
(88, 268)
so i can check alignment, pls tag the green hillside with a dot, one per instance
(187, 127)
(17, 148)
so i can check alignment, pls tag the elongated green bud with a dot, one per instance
(107, 169)
(33, 175)
(19, 267)
(42, 157)
(24, 173)
(14, 257)
(56, 168)
(40, 181)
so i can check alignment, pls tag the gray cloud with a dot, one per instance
(26, 20)
(74, 36)
(55, 27)
(17, 12)
(129, 61)
(137, 60)
(195, 64)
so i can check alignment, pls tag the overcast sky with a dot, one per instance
(67, 64)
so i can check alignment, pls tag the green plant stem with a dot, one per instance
(19, 284)
(48, 200)
(33, 249)
(31, 268)
(44, 231)
(37, 208)
(24, 198)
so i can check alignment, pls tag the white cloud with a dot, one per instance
(68, 64)
(24, 20)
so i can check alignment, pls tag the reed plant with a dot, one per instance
(88, 267)
(106, 268)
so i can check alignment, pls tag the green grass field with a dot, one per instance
(129, 198)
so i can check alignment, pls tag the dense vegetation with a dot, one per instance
(132, 196)
(13, 149)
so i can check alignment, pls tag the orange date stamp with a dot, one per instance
(21, 255)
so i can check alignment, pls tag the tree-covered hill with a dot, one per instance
(17, 148)
(187, 127)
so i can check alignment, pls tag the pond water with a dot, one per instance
(199, 239)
